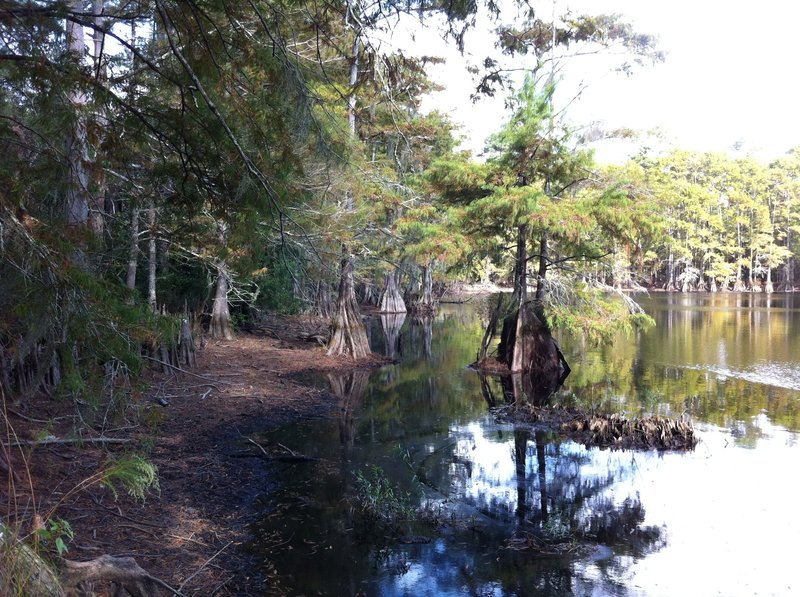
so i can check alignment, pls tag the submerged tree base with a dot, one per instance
(604, 431)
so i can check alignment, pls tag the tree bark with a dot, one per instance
(425, 305)
(391, 300)
(491, 328)
(526, 343)
(77, 192)
(322, 303)
(789, 267)
(349, 336)
(22, 570)
(186, 349)
(738, 285)
(152, 258)
(220, 313)
(351, 100)
(670, 285)
(542, 273)
(133, 250)
(98, 180)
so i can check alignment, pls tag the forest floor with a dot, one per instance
(194, 427)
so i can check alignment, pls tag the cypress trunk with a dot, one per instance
(349, 336)
(391, 300)
(220, 313)
(323, 305)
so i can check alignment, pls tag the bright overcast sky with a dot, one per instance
(729, 77)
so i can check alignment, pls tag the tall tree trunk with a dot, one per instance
(541, 278)
(220, 313)
(425, 305)
(152, 257)
(491, 328)
(351, 100)
(98, 180)
(133, 250)
(520, 357)
(77, 193)
(391, 300)
(526, 343)
(349, 336)
(322, 303)
(738, 285)
(768, 287)
(427, 285)
(670, 271)
(788, 270)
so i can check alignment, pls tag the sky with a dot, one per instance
(729, 79)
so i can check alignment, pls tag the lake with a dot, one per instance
(718, 520)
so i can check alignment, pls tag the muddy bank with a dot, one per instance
(195, 428)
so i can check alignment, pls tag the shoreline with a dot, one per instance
(194, 428)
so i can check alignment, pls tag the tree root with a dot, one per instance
(123, 572)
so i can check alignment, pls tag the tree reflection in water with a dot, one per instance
(350, 388)
(563, 492)
(392, 323)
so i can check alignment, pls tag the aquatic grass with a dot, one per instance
(381, 502)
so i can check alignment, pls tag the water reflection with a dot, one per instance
(510, 495)
(350, 388)
(392, 323)
(722, 358)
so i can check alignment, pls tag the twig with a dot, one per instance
(110, 511)
(222, 584)
(185, 371)
(292, 452)
(206, 563)
(26, 417)
(260, 447)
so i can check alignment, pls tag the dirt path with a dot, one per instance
(194, 427)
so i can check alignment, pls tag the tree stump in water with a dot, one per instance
(391, 300)
(526, 345)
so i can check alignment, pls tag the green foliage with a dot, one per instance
(275, 290)
(136, 475)
(596, 314)
(380, 501)
(56, 532)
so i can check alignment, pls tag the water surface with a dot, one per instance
(716, 521)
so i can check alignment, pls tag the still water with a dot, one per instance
(719, 520)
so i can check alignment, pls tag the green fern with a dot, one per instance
(135, 474)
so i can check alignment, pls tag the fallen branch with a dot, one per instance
(185, 371)
(120, 515)
(206, 563)
(56, 440)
